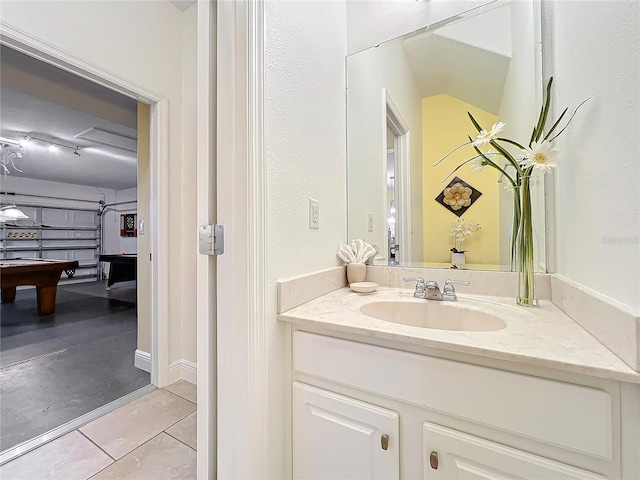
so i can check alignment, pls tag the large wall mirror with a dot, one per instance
(407, 104)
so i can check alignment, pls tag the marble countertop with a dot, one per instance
(543, 336)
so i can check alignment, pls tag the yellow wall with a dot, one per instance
(445, 125)
(144, 244)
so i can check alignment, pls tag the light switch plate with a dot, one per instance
(370, 222)
(314, 213)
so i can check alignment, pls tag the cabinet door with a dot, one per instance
(451, 454)
(337, 437)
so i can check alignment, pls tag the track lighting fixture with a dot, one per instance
(53, 143)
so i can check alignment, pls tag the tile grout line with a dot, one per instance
(177, 394)
(125, 455)
(101, 449)
(181, 419)
(176, 438)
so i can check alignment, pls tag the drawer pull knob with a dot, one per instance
(384, 442)
(433, 460)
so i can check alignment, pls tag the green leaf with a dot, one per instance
(533, 134)
(475, 124)
(511, 142)
(544, 113)
(451, 153)
(555, 124)
(573, 115)
(458, 168)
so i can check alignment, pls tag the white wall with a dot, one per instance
(141, 42)
(519, 109)
(593, 50)
(369, 72)
(189, 173)
(305, 147)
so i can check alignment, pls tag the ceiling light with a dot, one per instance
(52, 147)
(10, 213)
(24, 141)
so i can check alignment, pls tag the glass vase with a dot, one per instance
(525, 258)
(515, 225)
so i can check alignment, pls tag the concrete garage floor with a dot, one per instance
(78, 359)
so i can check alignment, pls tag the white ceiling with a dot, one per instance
(468, 59)
(40, 99)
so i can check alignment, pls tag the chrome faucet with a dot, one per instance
(431, 291)
(449, 291)
(425, 290)
(420, 286)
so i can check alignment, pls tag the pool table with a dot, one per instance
(43, 273)
(124, 267)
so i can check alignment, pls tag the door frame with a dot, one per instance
(158, 167)
(206, 215)
(402, 145)
(242, 349)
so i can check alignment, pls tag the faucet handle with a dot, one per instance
(420, 285)
(449, 285)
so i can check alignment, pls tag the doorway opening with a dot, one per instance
(105, 359)
(397, 165)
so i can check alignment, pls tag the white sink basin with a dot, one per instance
(434, 314)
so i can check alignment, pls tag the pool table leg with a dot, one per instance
(8, 294)
(47, 299)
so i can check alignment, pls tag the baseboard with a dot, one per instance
(142, 360)
(183, 370)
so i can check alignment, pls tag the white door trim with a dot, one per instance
(243, 400)
(402, 146)
(206, 214)
(158, 163)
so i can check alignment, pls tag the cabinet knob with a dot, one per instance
(433, 460)
(384, 442)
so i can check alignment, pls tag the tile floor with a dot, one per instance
(151, 438)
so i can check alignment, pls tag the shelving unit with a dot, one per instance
(58, 232)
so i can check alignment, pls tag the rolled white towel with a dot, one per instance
(367, 252)
(346, 253)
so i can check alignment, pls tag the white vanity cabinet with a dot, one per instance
(336, 437)
(446, 418)
(452, 454)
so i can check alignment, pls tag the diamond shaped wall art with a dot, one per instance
(458, 196)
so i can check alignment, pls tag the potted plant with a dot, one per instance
(459, 231)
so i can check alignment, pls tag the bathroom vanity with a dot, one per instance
(537, 398)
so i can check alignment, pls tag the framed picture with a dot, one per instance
(128, 222)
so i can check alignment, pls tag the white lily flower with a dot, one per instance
(484, 137)
(540, 155)
(478, 164)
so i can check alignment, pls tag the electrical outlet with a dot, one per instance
(314, 213)
(370, 221)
